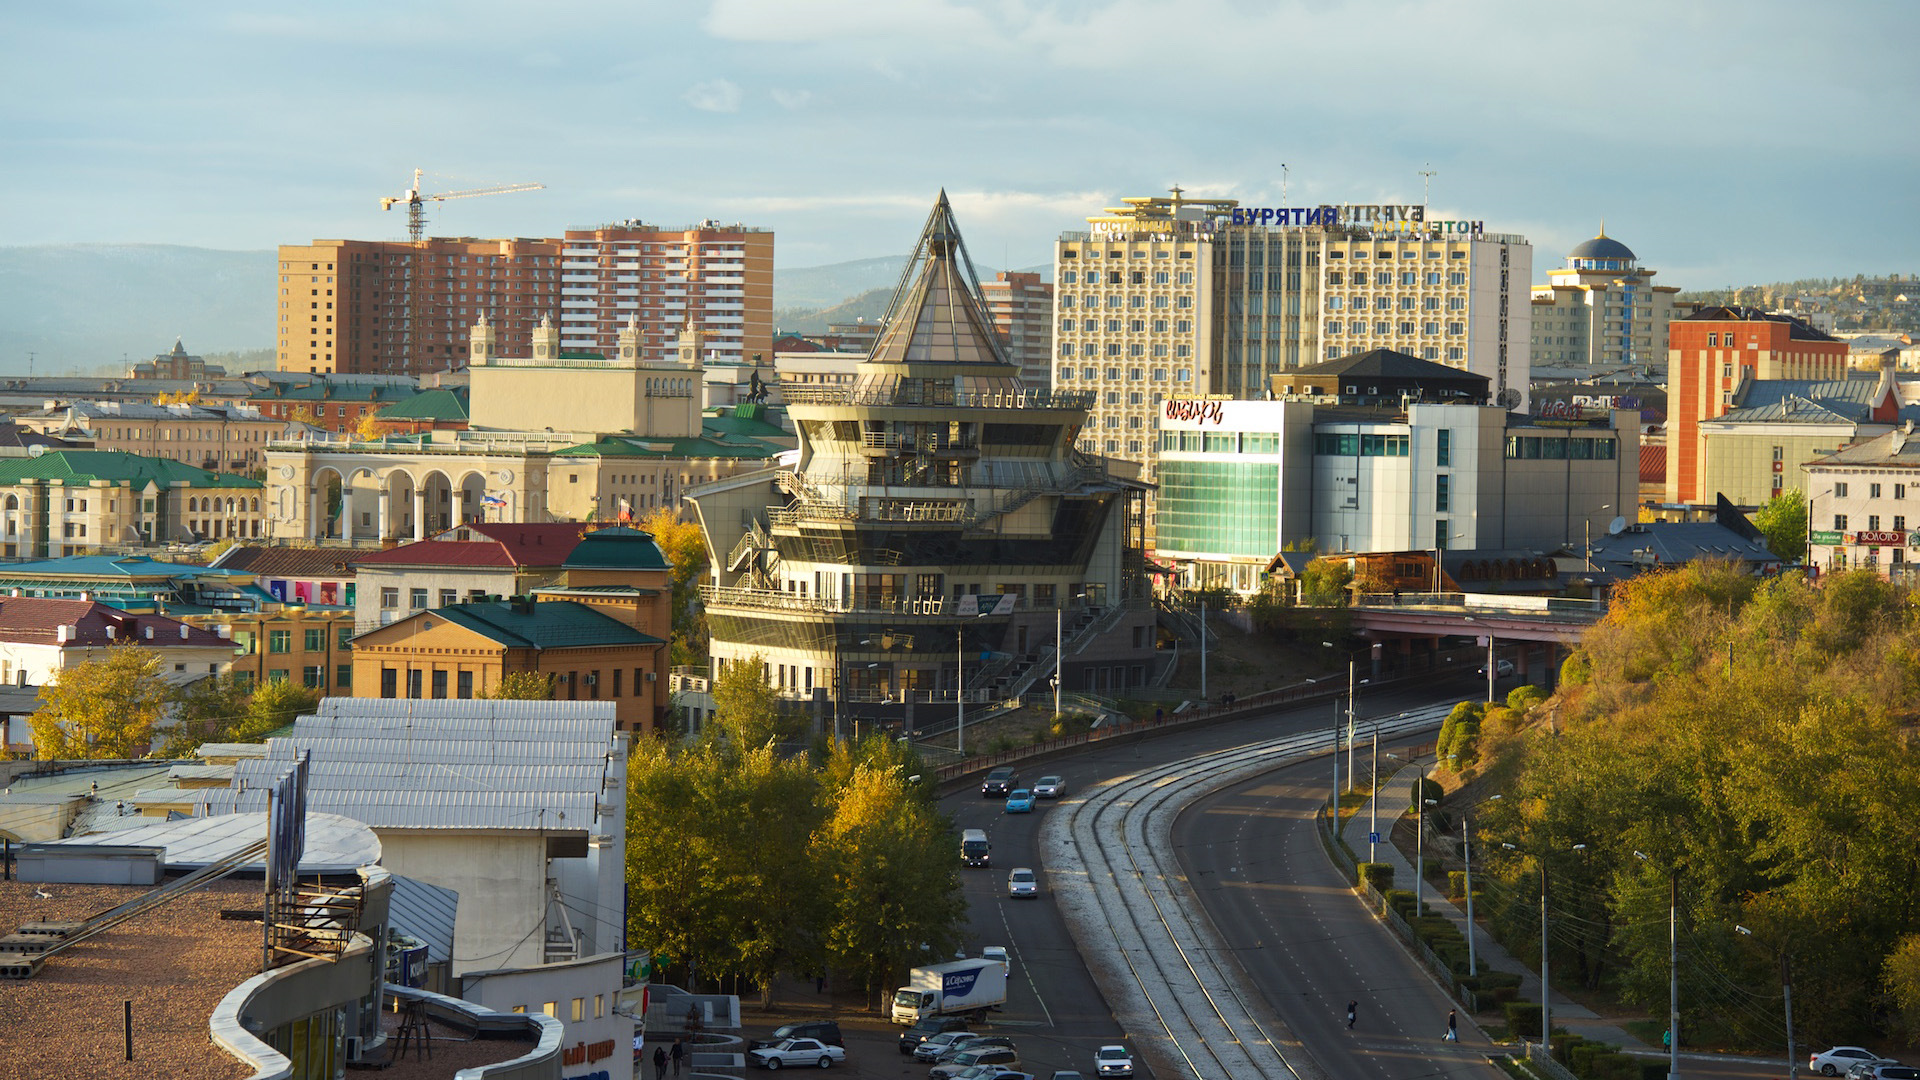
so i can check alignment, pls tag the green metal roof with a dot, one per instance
(548, 624)
(744, 421)
(116, 467)
(705, 446)
(616, 548)
(441, 405)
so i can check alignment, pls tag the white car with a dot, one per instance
(1049, 787)
(1022, 883)
(799, 1052)
(1113, 1061)
(995, 952)
(1839, 1059)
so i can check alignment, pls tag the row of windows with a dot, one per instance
(313, 639)
(1386, 278)
(1383, 326)
(1116, 253)
(1115, 277)
(1873, 522)
(1431, 254)
(1223, 442)
(1386, 303)
(1133, 326)
(1359, 444)
(1133, 374)
(417, 598)
(1558, 448)
(1840, 489)
(570, 686)
(1115, 302)
(1133, 348)
(1454, 352)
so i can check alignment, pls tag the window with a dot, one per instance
(1840, 491)
(346, 634)
(1873, 492)
(413, 682)
(279, 641)
(1899, 491)
(389, 682)
(449, 597)
(343, 676)
(1899, 523)
(1442, 493)
(389, 598)
(313, 676)
(416, 598)
(439, 684)
(316, 639)
(1444, 454)
(1839, 522)
(464, 684)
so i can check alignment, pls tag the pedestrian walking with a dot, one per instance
(1353, 1013)
(659, 1063)
(1453, 1025)
(678, 1053)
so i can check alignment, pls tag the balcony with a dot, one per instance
(998, 399)
(861, 603)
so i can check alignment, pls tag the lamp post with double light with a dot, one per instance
(1546, 983)
(1673, 969)
(1786, 991)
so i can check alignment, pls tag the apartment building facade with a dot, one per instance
(404, 307)
(1021, 307)
(1188, 298)
(1601, 309)
(219, 438)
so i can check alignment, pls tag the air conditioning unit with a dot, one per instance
(592, 679)
(651, 676)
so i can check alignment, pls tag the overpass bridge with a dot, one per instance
(1534, 632)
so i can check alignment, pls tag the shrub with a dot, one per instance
(1494, 980)
(1457, 884)
(1498, 995)
(1524, 698)
(1379, 875)
(1611, 1064)
(1426, 789)
(1401, 901)
(1577, 1054)
(1070, 723)
(1652, 1070)
(1523, 1018)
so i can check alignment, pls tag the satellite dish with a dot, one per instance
(1509, 398)
(36, 450)
(1617, 526)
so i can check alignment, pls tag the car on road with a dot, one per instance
(1066, 1074)
(804, 1052)
(967, 1059)
(1113, 1061)
(999, 782)
(1838, 1059)
(973, 1042)
(1049, 787)
(927, 1027)
(1501, 669)
(991, 1072)
(934, 1046)
(1021, 882)
(1882, 1070)
(827, 1031)
(1020, 801)
(996, 952)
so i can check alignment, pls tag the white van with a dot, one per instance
(974, 847)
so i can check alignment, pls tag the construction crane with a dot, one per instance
(417, 203)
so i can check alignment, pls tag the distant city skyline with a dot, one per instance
(1726, 143)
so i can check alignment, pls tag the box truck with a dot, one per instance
(963, 986)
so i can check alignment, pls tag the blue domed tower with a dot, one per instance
(1601, 310)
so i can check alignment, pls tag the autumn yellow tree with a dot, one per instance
(686, 551)
(521, 686)
(369, 429)
(104, 708)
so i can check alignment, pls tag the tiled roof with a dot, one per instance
(440, 553)
(1653, 464)
(547, 624)
(1853, 396)
(31, 620)
(501, 544)
(118, 467)
(287, 562)
(441, 405)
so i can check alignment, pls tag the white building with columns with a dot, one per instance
(558, 436)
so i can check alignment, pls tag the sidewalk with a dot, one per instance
(1391, 801)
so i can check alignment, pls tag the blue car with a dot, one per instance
(1020, 801)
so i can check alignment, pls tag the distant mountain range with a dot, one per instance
(97, 307)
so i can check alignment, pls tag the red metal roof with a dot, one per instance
(1653, 464)
(288, 562)
(506, 545)
(34, 620)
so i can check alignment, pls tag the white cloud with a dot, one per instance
(848, 20)
(714, 95)
(791, 99)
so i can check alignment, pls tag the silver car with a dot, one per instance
(1022, 883)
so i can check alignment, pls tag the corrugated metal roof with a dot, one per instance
(334, 844)
(545, 811)
(426, 912)
(200, 772)
(436, 775)
(494, 708)
(427, 748)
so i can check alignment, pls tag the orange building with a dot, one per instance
(601, 636)
(404, 307)
(1710, 352)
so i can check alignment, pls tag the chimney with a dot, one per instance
(61, 635)
(226, 632)
(110, 633)
(86, 598)
(183, 631)
(149, 633)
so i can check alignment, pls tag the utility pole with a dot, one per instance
(1673, 977)
(1546, 986)
(1466, 850)
(1203, 650)
(1351, 714)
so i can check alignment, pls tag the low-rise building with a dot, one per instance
(219, 438)
(295, 575)
(461, 565)
(73, 502)
(39, 638)
(177, 365)
(1862, 502)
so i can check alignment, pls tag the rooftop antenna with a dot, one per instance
(1426, 185)
(1283, 183)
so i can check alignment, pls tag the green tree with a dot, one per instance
(685, 548)
(104, 708)
(1783, 520)
(275, 704)
(893, 892)
(1324, 583)
(521, 686)
(1900, 978)
(746, 708)
(232, 710)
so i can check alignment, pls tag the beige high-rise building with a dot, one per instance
(403, 307)
(1601, 309)
(1021, 307)
(1177, 298)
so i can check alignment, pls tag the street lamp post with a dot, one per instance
(1546, 983)
(1807, 558)
(1373, 803)
(1786, 991)
(1060, 650)
(1589, 524)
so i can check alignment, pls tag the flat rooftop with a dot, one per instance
(174, 963)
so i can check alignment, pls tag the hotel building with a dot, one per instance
(1601, 309)
(403, 307)
(1188, 298)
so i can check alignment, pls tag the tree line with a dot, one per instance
(1744, 750)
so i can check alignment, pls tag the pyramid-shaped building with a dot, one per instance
(937, 532)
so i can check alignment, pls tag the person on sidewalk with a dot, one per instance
(678, 1054)
(1353, 1013)
(659, 1063)
(1453, 1025)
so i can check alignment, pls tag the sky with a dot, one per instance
(1726, 143)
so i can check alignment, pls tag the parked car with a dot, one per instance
(934, 1047)
(798, 1052)
(926, 1028)
(827, 1031)
(1049, 787)
(999, 782)
(1021, 882)
(991, 1072)
(1836, 1060)
(1113, 1061)
(966, 1043)
(1020, 801)
(1882, 1070)
(967, 1059)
